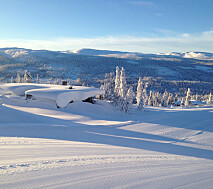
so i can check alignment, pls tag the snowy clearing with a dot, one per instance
(95, 146)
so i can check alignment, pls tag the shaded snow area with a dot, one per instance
(96, 146)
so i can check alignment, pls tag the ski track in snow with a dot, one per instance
(96, 146)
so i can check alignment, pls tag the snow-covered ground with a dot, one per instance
(95, 146)
(62, 95)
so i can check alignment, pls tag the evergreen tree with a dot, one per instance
(68, 81)
(27, 77)
(188, 98)
(156, 99)
(57, 81)
(182, 102)
(145, 96)
(37, 79)
(129, 99)
(139, 97)
(209, 100)
(108, 86)
(164, 101)
(170, 100)
(11, 80)
(117, 81)
(150, 100)
(121, 101)
(18, 78)
(122, 104)
(123, 85)
(78, 82)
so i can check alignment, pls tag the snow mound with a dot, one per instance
(62, 95)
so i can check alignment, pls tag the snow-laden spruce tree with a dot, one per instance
(78, 82)
(37, 79)
(121, 99)
(156, 99)
(170, 99)
(57, 81)
(11, 80)
(123, 85)
(129, 99)
(108, 87)
(117, 81)
(182, 102)
(18, 78)
(27, 77)
(164, 100)
(188, 98)
(139, 97)
(145, 97)
(150, 99)
(209, 100)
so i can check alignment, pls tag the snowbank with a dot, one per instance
(62, 95)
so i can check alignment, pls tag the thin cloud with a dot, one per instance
(143, 3)
(180, 43)
(185, 35)
(158, 14)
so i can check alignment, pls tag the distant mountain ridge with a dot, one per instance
(96, 52)
(108, 53)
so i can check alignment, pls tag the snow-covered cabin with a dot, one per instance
(62, 95)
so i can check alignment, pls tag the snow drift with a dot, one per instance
(62, 95)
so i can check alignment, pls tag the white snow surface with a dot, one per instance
(62, 95)
(96, 146)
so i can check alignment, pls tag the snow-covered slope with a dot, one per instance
(95, 146)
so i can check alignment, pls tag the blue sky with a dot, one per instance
(128, 25)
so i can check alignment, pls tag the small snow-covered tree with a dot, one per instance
(196, 97)
(129, 98)
(57, 81)
(150, 99)
(170, 99)
(139, 97)
(68, 81)
(18, 78)
(164, 101)
(49, 81)
(209, 100)
(27, 77)
(188, 98)
(182, 102)
(108, 86)
(156, 99)
(11, 80)
(78, 82)
(122, 104)
(37, 79)
(145, 96)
